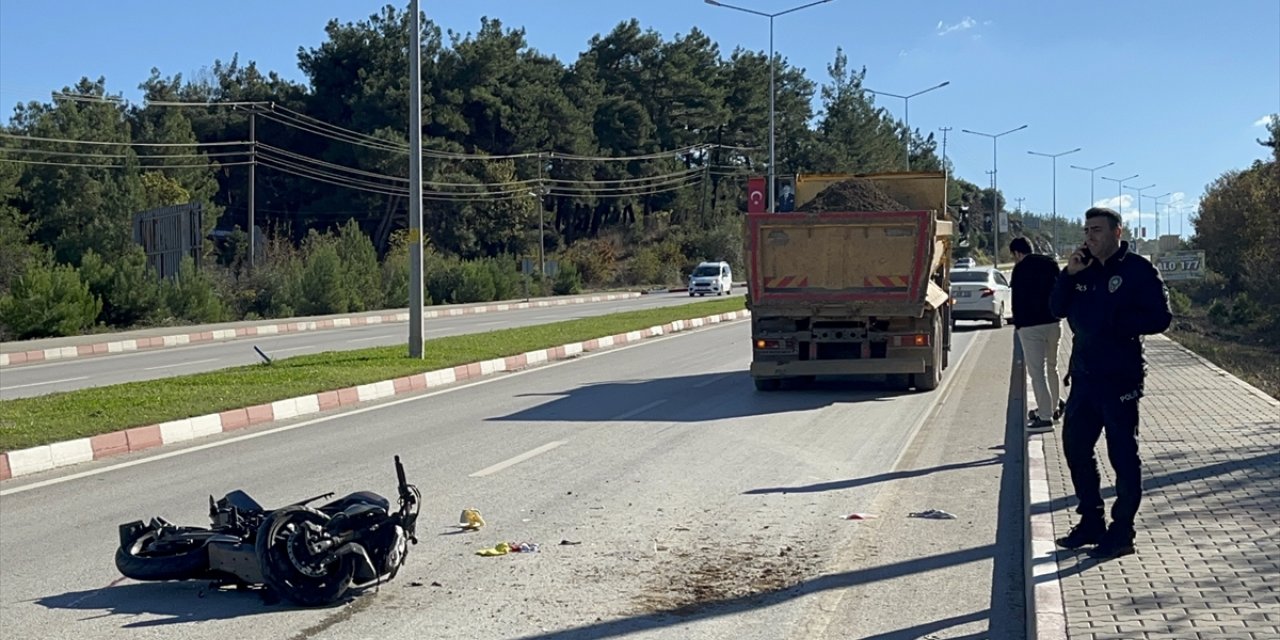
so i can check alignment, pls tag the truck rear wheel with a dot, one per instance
(932, 376)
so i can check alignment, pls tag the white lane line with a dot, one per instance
(182, 364)
(710, 381)
(638, 410)
(287, 349)
(359, 410)
(510, 462)
(368, 338)
(489, 323)
(37, 384)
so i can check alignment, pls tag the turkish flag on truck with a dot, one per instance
(756, 202)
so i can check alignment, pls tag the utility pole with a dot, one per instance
(415, 184)
(253, 178)
(1019, 204)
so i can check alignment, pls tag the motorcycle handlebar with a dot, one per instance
(400, 474)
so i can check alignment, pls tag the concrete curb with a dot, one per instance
(175, 340)
(1048, 608)
(24, 462)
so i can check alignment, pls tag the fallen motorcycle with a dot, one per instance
(309, 556)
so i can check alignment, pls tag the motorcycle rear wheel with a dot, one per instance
(180, 555)
(282, 575)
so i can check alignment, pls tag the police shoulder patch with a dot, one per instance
(1114, 283)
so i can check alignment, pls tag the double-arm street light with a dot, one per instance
(1155, 200)
(1120, 192)
(1138, 225)
(772, 81)
(1054, 157)
(995, 205)
(906, 102)
(1091, 180)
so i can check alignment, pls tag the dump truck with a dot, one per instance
(852, 292)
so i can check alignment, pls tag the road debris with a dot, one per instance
(932, 514)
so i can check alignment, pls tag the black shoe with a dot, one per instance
(1114, 545)
(1089, 531)
(1039, 425)
(1062, 408)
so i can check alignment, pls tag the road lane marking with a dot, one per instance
(357, 411)
(368, 338)
(510, 462)
(287, 349)
(37, 384)
(182, 364)
(638, 410)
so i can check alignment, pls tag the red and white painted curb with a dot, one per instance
(175, 340)
(61, 454)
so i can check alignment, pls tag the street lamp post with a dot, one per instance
(1054, 157)
(1155, 200)
(906, 102)
(995, 206)
(1140, 190)
(1120, 192)
(1091, 181)
(415, 184)
(772, 91)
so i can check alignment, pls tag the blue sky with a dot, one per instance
(1174, 91)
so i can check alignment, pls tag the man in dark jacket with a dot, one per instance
(1110, 298)
(1039, 331)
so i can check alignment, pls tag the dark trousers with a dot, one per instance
(1092, 407)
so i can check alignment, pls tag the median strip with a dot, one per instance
(46, 432)
(182, 339)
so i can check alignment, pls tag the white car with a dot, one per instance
(714, 278)
(966, 263)
(981, 293)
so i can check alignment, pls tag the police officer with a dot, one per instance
(1110, 298)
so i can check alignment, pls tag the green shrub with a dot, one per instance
(48, 300)
(567, 281)
(192, 295)
(1179, 302)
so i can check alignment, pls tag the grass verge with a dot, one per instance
(1251, 357)
(30, 422)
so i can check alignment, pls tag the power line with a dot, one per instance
(126, 166)
(79, 154)
(121, 144)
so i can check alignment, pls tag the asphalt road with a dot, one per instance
(702, 509)
(66, 375)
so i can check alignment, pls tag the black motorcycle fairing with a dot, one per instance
(355, 498)
(242, 501)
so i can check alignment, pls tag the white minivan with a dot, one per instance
(711, 277)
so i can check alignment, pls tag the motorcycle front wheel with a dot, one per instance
(290, 568)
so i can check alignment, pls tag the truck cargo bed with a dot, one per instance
(840, 256)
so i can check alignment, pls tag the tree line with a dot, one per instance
(623, 166)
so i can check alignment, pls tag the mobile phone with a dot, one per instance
(1085, 255)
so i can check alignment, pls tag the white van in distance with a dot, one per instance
(711, 277)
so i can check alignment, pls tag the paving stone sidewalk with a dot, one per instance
(1208, 559)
